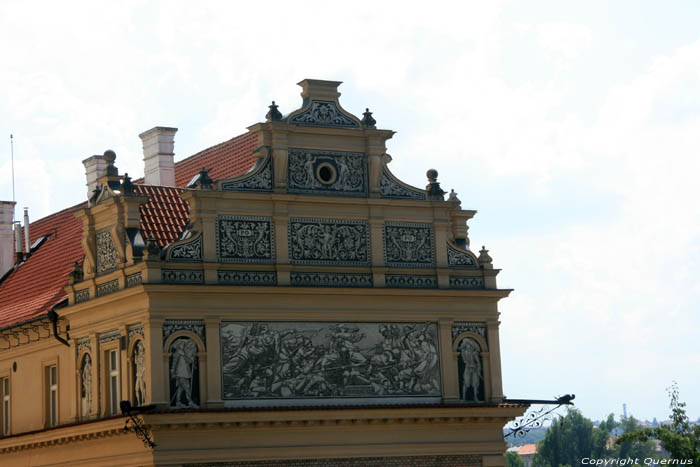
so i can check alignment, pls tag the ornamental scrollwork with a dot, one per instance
(389, 188)
(134, 332)
(459, 259)
(189, 251)
(257, 180)
(192, 325)
(462, 327)
(242, 239)
(324, 113)
(106, 251)
(84, 344)
(408, 245)
(328, 242)
(314, 171)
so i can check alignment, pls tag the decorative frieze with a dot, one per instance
(132, 280)
(390, 188)
(459, 259)
(324, 113)
(410, 281)
(241, 239)
(193, 325)
(182, 276)
(466, 282)
(257, 180)
(327, 279)
(335, 173)
(106, 251)
(83, 344)
(324, 360)
(247, 277)
(109, 336)
(409, 245)
(82, 295)
(460, 327)
(189, 251)
(107, 288)
(329, 242)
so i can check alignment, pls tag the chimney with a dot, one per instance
(19, 256)
(159, 156)
(26, 231)
(7, 250)
(95, 167)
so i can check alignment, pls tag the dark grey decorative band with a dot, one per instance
(460, 327)
(133, 280)
(259, 179)
(182, 276)
(135, 331)
(195, 326)
(390, 188)
(327, 279)
(410, 281)
(328, 242)
(409, 245)
(335, 173)
(188, 251)
(107, 288)
(433, 459)
(245, 239)
(106, 252)
(109, 336)
(247, 277)
(82, 295)
(465, 282)
(324, 113)
(83, 344)
(460, 259)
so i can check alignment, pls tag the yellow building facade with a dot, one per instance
(314, 310)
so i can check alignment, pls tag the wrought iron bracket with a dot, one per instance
(536, 418)
(136, 424)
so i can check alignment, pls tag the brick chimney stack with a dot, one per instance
(7, 241)
(159, 156)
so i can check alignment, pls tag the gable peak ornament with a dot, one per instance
(435, 193)
(367, 120)
(484, 259)
(273, 115)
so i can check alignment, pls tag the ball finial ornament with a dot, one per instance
(110, 156)
(432, 175)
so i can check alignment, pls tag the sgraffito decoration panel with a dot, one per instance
(459, 259)
(107, 288)
(245, 239)
(82, 295)
(337, 173)
(447, 460)
(182, 276)
(409, 245)
(106, 251)
(329, 242)
(477, 328)
(193, 325)
(407, 281)
(324, 113)
(188, 251)
(247, 277)
(389, 188)
(132, 280)
(466, 282)
(317, 360)
(259, 180)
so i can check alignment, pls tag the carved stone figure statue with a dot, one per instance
(472, 375)
(183, 363)
(86, 386)
(139, 373)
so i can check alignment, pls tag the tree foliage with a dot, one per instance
(514, 460)
(680, 439)
(570, 439)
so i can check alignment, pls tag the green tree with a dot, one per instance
(514, 460)
(636, 449)
(569, 440)
(680, 439)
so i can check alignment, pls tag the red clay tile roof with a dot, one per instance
(36, 285)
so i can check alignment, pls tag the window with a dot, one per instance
(5, 388)
(51, 379)
(113, 383)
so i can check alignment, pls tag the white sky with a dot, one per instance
(572, 127)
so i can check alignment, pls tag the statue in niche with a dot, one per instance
(184, 373)
(139, 373)
(471, 376)
(86, 386)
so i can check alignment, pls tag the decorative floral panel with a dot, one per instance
(241, 239)
(189, 251)
(258, 180)
(329, 242)
(324, 113)
(409, 245)
(106, 253)
(459, 259)
(389, 188)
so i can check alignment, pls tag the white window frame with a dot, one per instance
(6, 408)
(51, 394)
(113, 380)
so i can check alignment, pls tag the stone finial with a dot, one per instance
(273, 115)
(127, 186)
(453, 196)
(435, 193)
(484, 259)
(109, 157)
(367, 120)
(76, 274)
(152, 249)
(204, 181)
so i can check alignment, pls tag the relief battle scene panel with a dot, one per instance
(316, 360)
